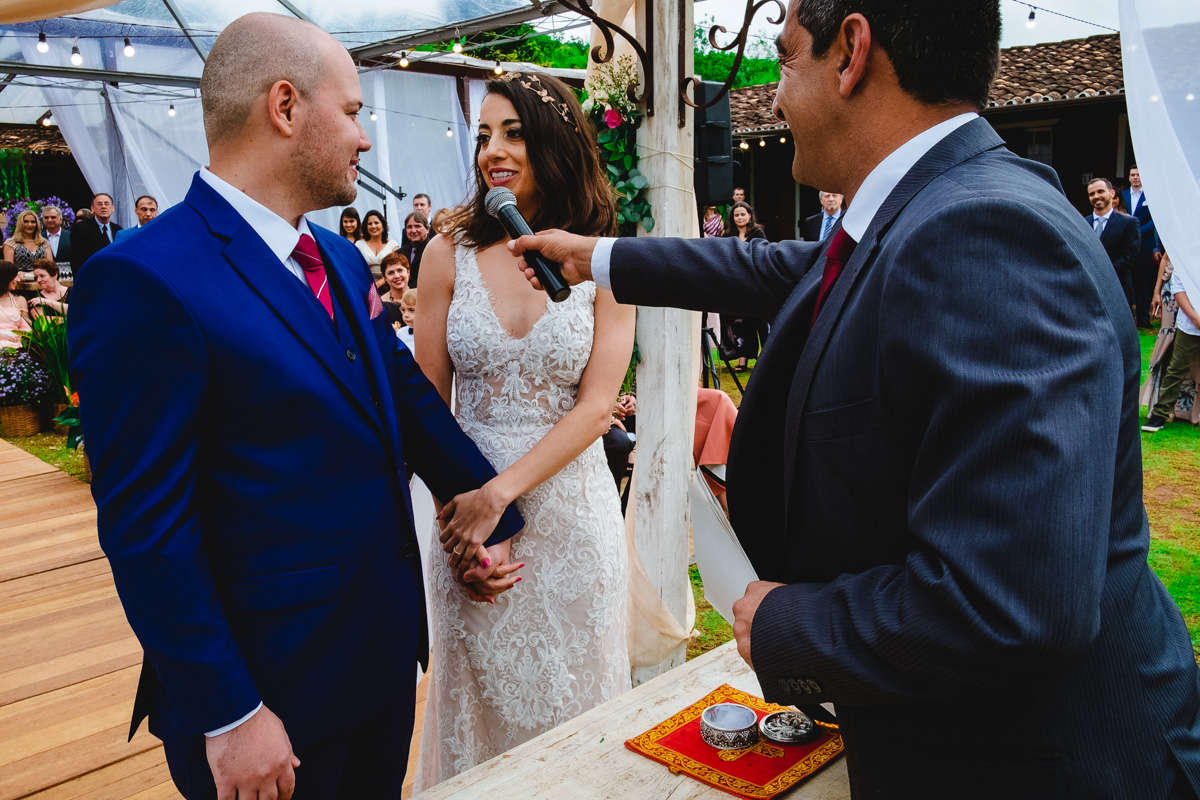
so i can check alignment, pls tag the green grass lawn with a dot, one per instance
(1171, 476)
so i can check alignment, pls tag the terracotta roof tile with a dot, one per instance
(38, 139)
(1040, 73)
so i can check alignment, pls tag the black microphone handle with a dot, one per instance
(549, 273)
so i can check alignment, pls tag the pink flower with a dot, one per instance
(612, 119)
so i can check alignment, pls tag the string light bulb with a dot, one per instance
(1190, 97)
(48, 120)
(1031, 20)
(171, 110)
(458, 46)
(373, 116)
(762, 142)
(76, 56)
(129, 51)
(783, 140)
(499, 70)
(404, 60)
(449, 132)
(744, 145)
(42, 45)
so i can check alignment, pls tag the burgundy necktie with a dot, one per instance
(309, 258)
(841, 247)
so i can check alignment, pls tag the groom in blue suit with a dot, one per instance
(251, 423)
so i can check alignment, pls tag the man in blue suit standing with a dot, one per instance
(251, 421)
(1145, 269)
(936, 469)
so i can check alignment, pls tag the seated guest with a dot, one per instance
(14, 311)
(408, 315)
(350, 226)
(146, 208)
(713, 225)
(375, 244)
(395, 276)
(619, 441)
(715, 416)
(27, 244)
(58, 237)
(89, 236)
(53, 297)
(416, 236)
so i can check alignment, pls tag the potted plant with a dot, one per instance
(47, 343)
(23, 384)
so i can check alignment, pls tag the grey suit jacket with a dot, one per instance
(946, 471)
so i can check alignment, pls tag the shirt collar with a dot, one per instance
(278, 234)
(834, 215)
(888, 173)
(1103, 216)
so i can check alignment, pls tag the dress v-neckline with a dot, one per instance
(487, 292)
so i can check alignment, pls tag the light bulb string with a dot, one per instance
(1032, 8)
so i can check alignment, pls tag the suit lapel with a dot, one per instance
(966, 142)
(287, 298)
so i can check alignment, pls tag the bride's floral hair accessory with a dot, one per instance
(531, 82)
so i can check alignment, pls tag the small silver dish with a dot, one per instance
(729, 726)
(787, 727)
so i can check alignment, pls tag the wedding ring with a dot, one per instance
(459, 552)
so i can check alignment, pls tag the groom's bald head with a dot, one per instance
(253, 53)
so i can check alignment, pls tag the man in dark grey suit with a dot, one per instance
(936, 469)
(1118, 233)
(821, 224)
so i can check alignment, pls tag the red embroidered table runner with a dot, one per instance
(756, 773)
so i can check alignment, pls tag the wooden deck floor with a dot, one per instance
(68, 660)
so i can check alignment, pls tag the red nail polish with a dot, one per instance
(487, 562)
(519, 579)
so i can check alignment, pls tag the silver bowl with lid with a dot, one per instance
(729, 726)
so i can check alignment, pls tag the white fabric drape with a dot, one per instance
(1159, 42)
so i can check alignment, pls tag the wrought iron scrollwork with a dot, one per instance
(602, 54)
(752, 9)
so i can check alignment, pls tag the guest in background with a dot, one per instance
(713, 225)
(89, 236)
(27, 244)
(408, 312)
(1184, 363)
(1146, 266)
(375, 244)
(395, 276)
(821, 224)
(621, 437)
(58, 236)
(1163, 306)
(350, 226)
(53, 296)
(740, 336)
(416, 233)
(441, 221)
(146, 208)
(1118, 233)
(14, 311)
(739, 196)
(423, 205)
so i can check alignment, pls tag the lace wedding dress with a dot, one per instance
(554, 645)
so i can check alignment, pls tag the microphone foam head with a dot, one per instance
(497, 197)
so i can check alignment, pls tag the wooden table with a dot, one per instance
(586, 758)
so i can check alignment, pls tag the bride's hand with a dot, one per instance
(485, 584)
(467, 521)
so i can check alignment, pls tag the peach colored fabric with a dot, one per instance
(715, 415)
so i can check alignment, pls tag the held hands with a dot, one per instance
(485, 584)
(255, 759)
(743, 614)
(574, 252)
(467, 521)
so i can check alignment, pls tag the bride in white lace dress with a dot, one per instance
(535, 385)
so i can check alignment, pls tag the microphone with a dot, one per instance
(501, 203)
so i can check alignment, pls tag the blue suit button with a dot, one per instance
(350, 354)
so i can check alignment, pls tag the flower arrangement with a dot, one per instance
(13, 208)
(616, 117)
(22, 380)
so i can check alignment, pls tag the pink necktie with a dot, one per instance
(309, 258)
(841, 247)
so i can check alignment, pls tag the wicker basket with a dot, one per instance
(19, 420)
(87, 465)
(55, 410)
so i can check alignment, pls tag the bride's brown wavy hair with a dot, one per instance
(573, 190)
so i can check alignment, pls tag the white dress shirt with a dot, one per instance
(1135, 195)
(53, 238)
(867, 200)
(281, 239)
(278, 234)
(1096, 218)
(830, 220)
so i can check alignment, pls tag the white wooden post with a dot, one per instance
(669, 339)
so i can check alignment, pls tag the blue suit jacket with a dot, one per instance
(250, 473)
(946, 471)
(1149, 234)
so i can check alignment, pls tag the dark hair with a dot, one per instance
(419, 217)
(350, 212)
(382, 221)
(941, 52)
(103, 194)
(145, 197)
(753, 226)
(564, 158)
(1132, 167)
(394, 257)
(46, 264)
(1105, 181)
(8, 271)
(419, 195)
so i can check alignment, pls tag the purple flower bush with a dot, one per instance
(22, 379)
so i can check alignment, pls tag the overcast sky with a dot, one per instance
(1047, 27)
